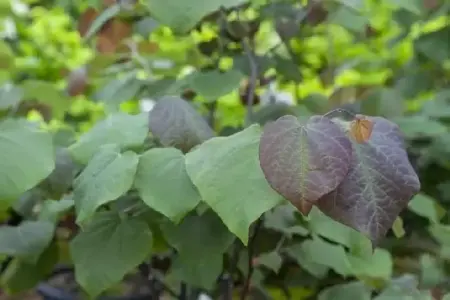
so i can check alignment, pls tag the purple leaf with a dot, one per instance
(304, 162)
(379, 185)
(177, 124)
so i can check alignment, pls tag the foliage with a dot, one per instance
(243, 149)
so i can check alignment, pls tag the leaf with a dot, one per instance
(301, 256)
(376, 266)
(182, 16)
(6, 54)
(271, 260)
(163, 183)
(397, 228)
(402, 288)
(426, 207)
(108, 175)
(23, 276)
(282, 219)
(10, 95)
(46, 93)
(434, 45)
(238, 200)
(352, 290)
(51, 210)
(349, 19)
(124, 242)
(327, 254)
(379, 185)
(26, 158)
(119, 128)
(177, 124)
(26, 241)
(60, 180)
(304, 162)
(119, 90)
(419, 126)
(414, 6)
(322, 225)
(101, 19)
(214, 84)
(200, 242)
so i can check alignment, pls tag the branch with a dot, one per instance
(252, 81)
(251, 250)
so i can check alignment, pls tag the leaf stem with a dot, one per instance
(250, 252)
(252, 81)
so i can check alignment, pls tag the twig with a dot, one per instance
(250, 253)
(183, 291)
(252, 81)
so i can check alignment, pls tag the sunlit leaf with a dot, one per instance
(163, 183)
(426, 207)
(237, 202)
(214, 84)
(120, 128)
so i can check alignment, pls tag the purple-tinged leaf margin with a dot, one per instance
(303, 162)
(177, 124)
(380, 183)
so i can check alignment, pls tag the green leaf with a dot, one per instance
(27, 157)
(104, 17)
(177, 124)
(6, 55)
(51, 210)
(10, 96)
(214, 84)
(109, 248)
(46, 93)
(403, 288)
(352, 290)
(301, 256)
(376, 266)
(238, 200)
(434, 45)
(333, 256)
(119, 90)
(432, 271)
(414, 6)
(23, 276)
(283, 219)
(182, 16)
(26, 241)
(397, 228)
(271, 260)
(200, 242)
(426, 207)
(419, 126)
(328, 228)
(163, 183)
(120, 128)
(385, 102)
(108, 175)
(353, 4)
(349, 19)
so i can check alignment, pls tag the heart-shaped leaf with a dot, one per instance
(379, 184)
(177, 124)
(163, 183)
(304, 162)
(125, 242)
(238, 201)
(108, 175)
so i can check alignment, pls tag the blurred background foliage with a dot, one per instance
(68, 64)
